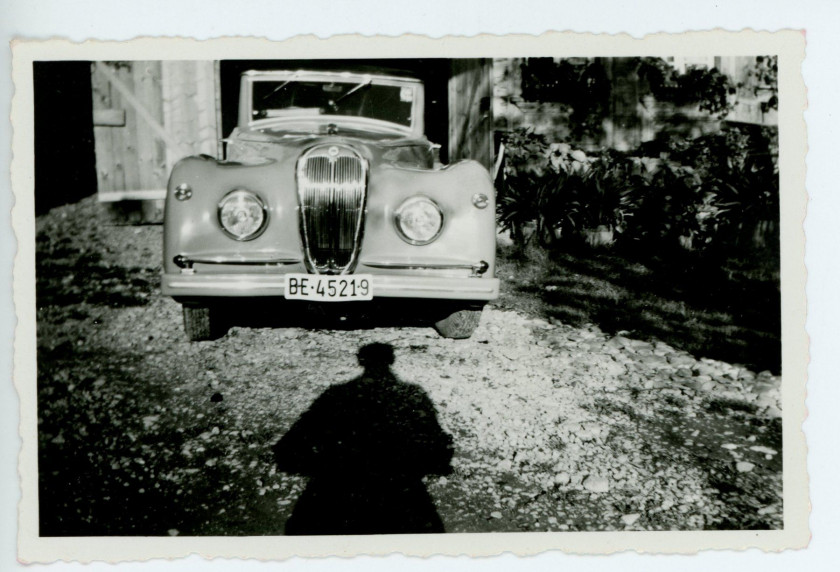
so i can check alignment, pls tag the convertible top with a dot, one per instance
(393, 68)
(303, 73)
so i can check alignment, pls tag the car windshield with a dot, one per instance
(359, 97)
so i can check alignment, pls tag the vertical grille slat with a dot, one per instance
(332, 189)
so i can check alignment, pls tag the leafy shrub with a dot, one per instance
(749, 196)
(519, 204)
(707, 88)
(558, 205)
(580, 83)
(762, 76)
(715, 191)
(739, 175)
(525, 152)
(526, 164)
(666, 205)
(604, 196)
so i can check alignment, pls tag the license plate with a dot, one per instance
(329, 288)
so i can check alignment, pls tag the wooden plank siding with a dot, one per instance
(470, 111)
(154, 113)
(150, 150)
(189, 104)
(169, 111)
(107, 140)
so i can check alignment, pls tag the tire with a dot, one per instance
(460, 324)
(202, 323)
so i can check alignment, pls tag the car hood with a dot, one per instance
(283, 146)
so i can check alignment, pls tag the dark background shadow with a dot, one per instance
(65, 161)
(275, 313)
(724, 306)
(365, 445)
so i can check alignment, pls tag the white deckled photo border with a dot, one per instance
(790, 48)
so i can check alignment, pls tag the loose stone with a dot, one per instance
(630, 519)
(596, 484)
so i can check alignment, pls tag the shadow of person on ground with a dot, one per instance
(365, 445)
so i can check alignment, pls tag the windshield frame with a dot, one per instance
(246, 121)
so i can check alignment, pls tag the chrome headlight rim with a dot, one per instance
(398, 224)
(251, 194)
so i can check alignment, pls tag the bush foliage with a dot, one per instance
(714, 191)
(709, 89)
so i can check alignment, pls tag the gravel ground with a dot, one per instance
(554, 428)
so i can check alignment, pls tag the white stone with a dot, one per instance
(630, 519)
(596, 484)
(744, 467)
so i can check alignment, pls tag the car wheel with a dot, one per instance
(202, 323)
(460, 324)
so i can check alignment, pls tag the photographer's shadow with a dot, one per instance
(365, 446)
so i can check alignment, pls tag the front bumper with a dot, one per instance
(384, 286)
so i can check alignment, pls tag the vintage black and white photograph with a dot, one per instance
(409, 295)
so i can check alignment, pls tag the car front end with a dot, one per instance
(324, 210)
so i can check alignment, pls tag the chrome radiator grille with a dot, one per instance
(332, 185)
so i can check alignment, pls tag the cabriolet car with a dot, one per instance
(329, 192)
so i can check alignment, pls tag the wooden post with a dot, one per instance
(217, 84)
(471, 111)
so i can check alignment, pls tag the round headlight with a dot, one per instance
(242, 214)
(419, 220)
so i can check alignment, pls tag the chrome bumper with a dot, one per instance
(384, 286)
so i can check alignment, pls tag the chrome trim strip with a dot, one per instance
(477, 269)
(387, 288)
(418, 265)
(185, 261)
(398, 287)
(244, 286)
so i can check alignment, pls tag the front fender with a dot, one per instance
(469, 233)
(192, 226)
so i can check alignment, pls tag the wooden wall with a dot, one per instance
(470, 111)
(148, 115)
(190, 108)
(128, 155)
